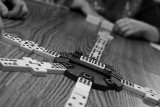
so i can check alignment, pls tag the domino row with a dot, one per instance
(148, 94)
(29, 46)
(100, 44)
(27, 64)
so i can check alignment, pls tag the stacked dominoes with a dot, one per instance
(103, 23)
(35, 67)
(29, 46)
(100, 44)
(80, 93)
(148, 94)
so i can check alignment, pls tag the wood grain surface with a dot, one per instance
(64, 31)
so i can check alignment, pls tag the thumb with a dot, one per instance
(3, 10)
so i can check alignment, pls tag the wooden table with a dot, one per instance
(64, 31)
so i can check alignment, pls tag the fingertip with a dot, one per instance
(4, 10)
(15, 12)
(5, 13)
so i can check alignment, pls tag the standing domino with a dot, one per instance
(107, 25)
(93, 19)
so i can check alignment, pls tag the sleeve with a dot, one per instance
(68, 3)
(149, 13)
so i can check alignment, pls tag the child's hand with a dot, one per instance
(130, 27)
(19, 9)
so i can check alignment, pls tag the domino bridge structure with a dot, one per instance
(87, 72)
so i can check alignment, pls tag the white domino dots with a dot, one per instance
(148, 94)
(92, 62)
(54, 68)
(29, 46)
(100, 44)
(31, 65)
(80, 93)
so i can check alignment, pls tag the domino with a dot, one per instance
(119, 85)
(93, 19)
(150, 90)
(29, 46)
(80, 93)
(104, 35)
(14, 65)
(31, 61)
(151, 97)
(155, 46)
(98, 47)
(54, 68)
(107, 25)
(30, 42)
(11, 39)
(95, 56)
(101, 40)
(5, 59)
(78, 98)
(133, 88)
(92, 62)
(38, 70)
(84, 84)
(26, 48)
(45, 53)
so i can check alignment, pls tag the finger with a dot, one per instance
(123, 30)
(123, 22)
(128, 33)
(3, 10)
(24, 11)
(17, 8)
